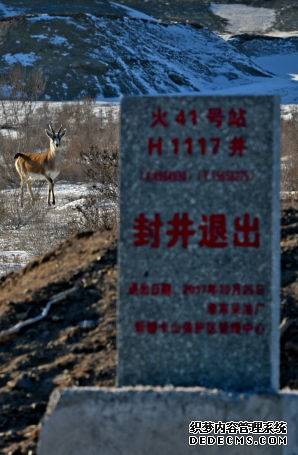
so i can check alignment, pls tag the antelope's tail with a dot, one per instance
(17, 155)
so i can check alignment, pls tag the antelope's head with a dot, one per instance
(55, 138)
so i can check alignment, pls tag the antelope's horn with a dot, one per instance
(52, 129)
(59, 130)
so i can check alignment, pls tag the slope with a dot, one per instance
(75, 345)
(106, 56)
(276, 55)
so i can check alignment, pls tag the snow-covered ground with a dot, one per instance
(245, 19)
(12, 256)
(134, 13)
(284, 80)
(50, 228)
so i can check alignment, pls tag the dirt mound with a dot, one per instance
(75, 345)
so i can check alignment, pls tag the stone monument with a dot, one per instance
(199, 242)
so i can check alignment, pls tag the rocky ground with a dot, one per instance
(75, 345)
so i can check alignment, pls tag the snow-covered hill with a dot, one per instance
(107, 57)
(129, 53)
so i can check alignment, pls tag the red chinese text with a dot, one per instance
(186, 176)
(235, 117)
(213, 229)
(199, 327)
(202, 146)
(235, 308)
(224, 289)
(150, 289)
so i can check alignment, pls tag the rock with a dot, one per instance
(24, 381)
(179, 80)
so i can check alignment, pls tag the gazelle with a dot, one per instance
(39, 166)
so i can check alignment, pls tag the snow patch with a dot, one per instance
(245, 19)
(6, 11)
(58, 40)
(134, 13)
(39, 37)
(23, 59)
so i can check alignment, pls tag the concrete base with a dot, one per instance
(155, 421)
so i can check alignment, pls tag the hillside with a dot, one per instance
(74, 346)
(105, 50)
(106, 56)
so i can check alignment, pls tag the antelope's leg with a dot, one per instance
(22, 192)
(30, 189)
(53, 193)
(51, 189)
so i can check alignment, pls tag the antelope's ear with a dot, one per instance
(63, 134)
(49, 134)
